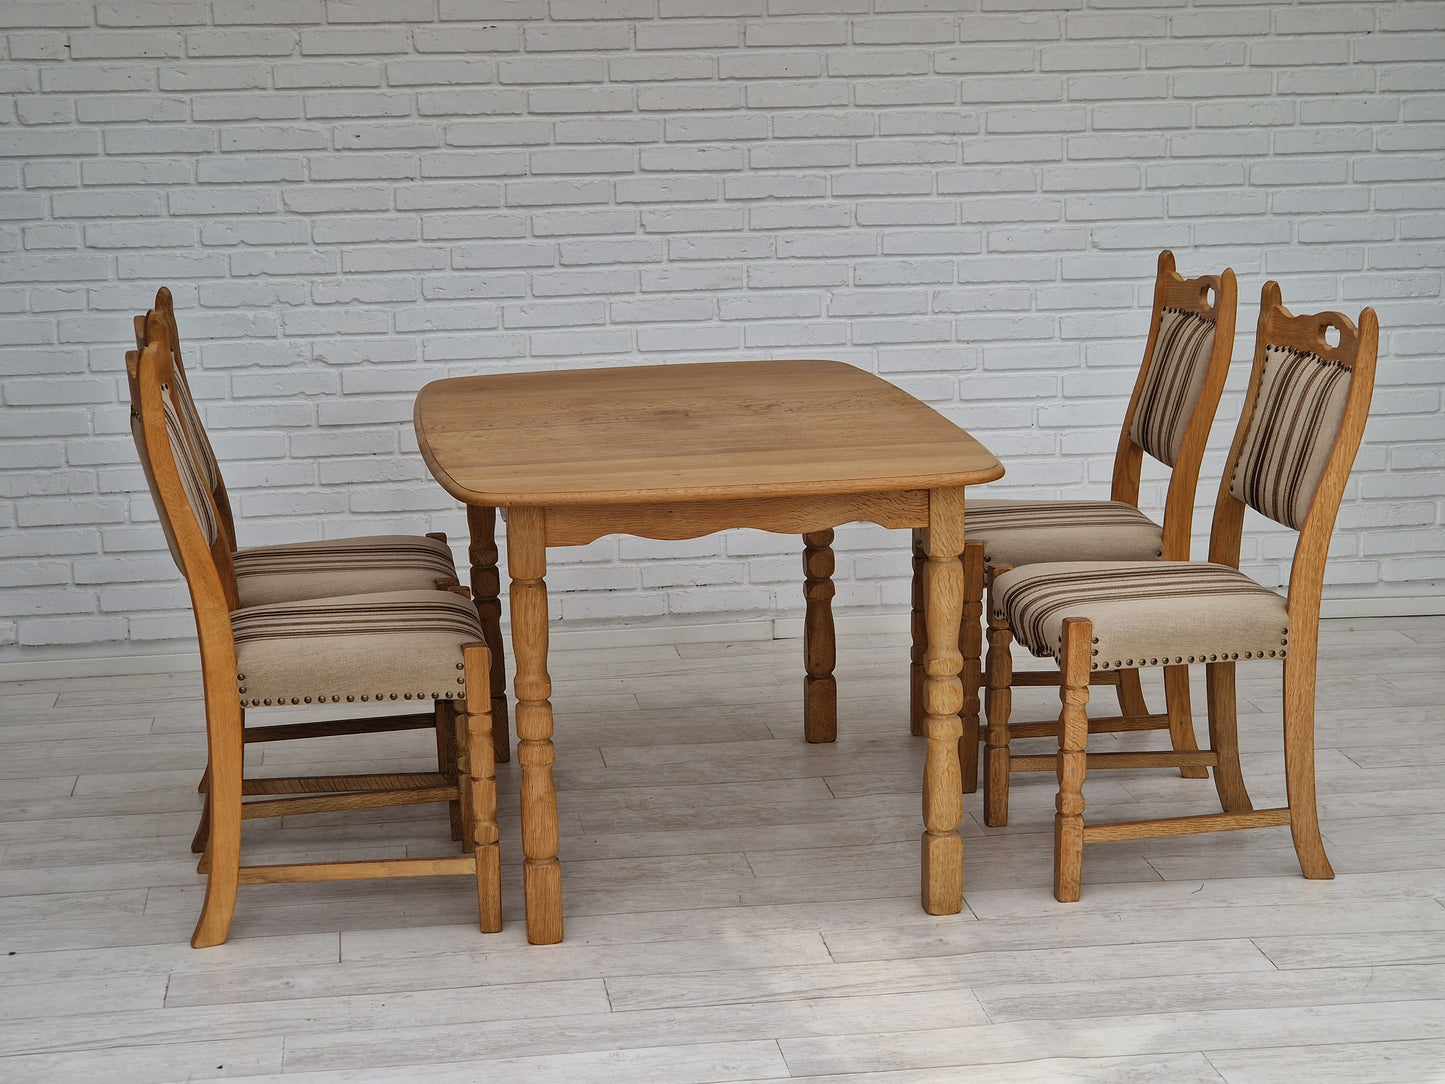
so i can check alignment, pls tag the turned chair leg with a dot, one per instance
(970, 646)
(998, 702)
(1074, 664)
(919, 635)
(1224, 738)
(447, 759)
(474, 734)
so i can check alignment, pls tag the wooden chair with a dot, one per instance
(1186, 360)
(294, 571)
(422, 645)
(1303, 418)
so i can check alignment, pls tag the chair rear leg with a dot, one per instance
(446, 732)
(998, 702)
(1131, 694)
(1299, 763)
(222, 857)
(970, 646)
(1181, 718)
(1224, 738)
(1076, 656)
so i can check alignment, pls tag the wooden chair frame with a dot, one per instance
(1357, 348)
(484, 574)
(211, 583)
(1213, 296)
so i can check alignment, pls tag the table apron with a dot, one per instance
(577, 525)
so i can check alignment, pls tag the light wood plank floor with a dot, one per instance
(740, 906)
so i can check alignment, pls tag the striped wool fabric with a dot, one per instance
(341, 566)
(401, 645)
(195, 432)
(1297, 417)
(1027, 532)
(1172, 383)
(193, 481)
(1145, 613)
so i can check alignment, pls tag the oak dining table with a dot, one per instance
(683, 450)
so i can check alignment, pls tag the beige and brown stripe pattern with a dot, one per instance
(341, 566)
(1296, 419)
(401, 645)
(1027, 532)
(196, 432)
(1172, 383)
(198, 493)
(1145, 613)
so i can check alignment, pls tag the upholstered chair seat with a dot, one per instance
(341, 566)
(1173, 613)
(1031, 532)
(394, 646)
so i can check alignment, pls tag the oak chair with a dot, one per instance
(1171, 409)
(424, 645)
(1301, 426)
(294, 571)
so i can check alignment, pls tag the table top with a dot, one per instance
(687, 432)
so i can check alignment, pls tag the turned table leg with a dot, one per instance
(942, 696)
(820, 655)
(486, 593)
(541, 872)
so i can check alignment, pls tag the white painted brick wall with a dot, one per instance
(350, 198)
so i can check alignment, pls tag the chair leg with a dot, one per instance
(918, 630)
(1224, 738)
(998, 702)
(222, 856)
(486, 583)
(1299, 760)
(475, 734)
(1131, 694)
(970, 646)
(203, 829)
(1181, 718)
(447, 756)
(1073, 759)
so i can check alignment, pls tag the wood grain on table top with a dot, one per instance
(706, 431)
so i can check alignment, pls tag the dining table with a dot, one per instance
(682, 450)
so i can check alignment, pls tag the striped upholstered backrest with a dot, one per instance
(1297, 416)
(188, 466)
(178, 450)
(1172, 383)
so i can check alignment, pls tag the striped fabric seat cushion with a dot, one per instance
(1172, 383)
(341, 566)
(1017, 533)
(399, 645)
(1297, 417)
(1157, 613)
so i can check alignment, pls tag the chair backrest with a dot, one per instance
(1186, 361)
(177, 483)
(190, 415)
(1303, 419)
